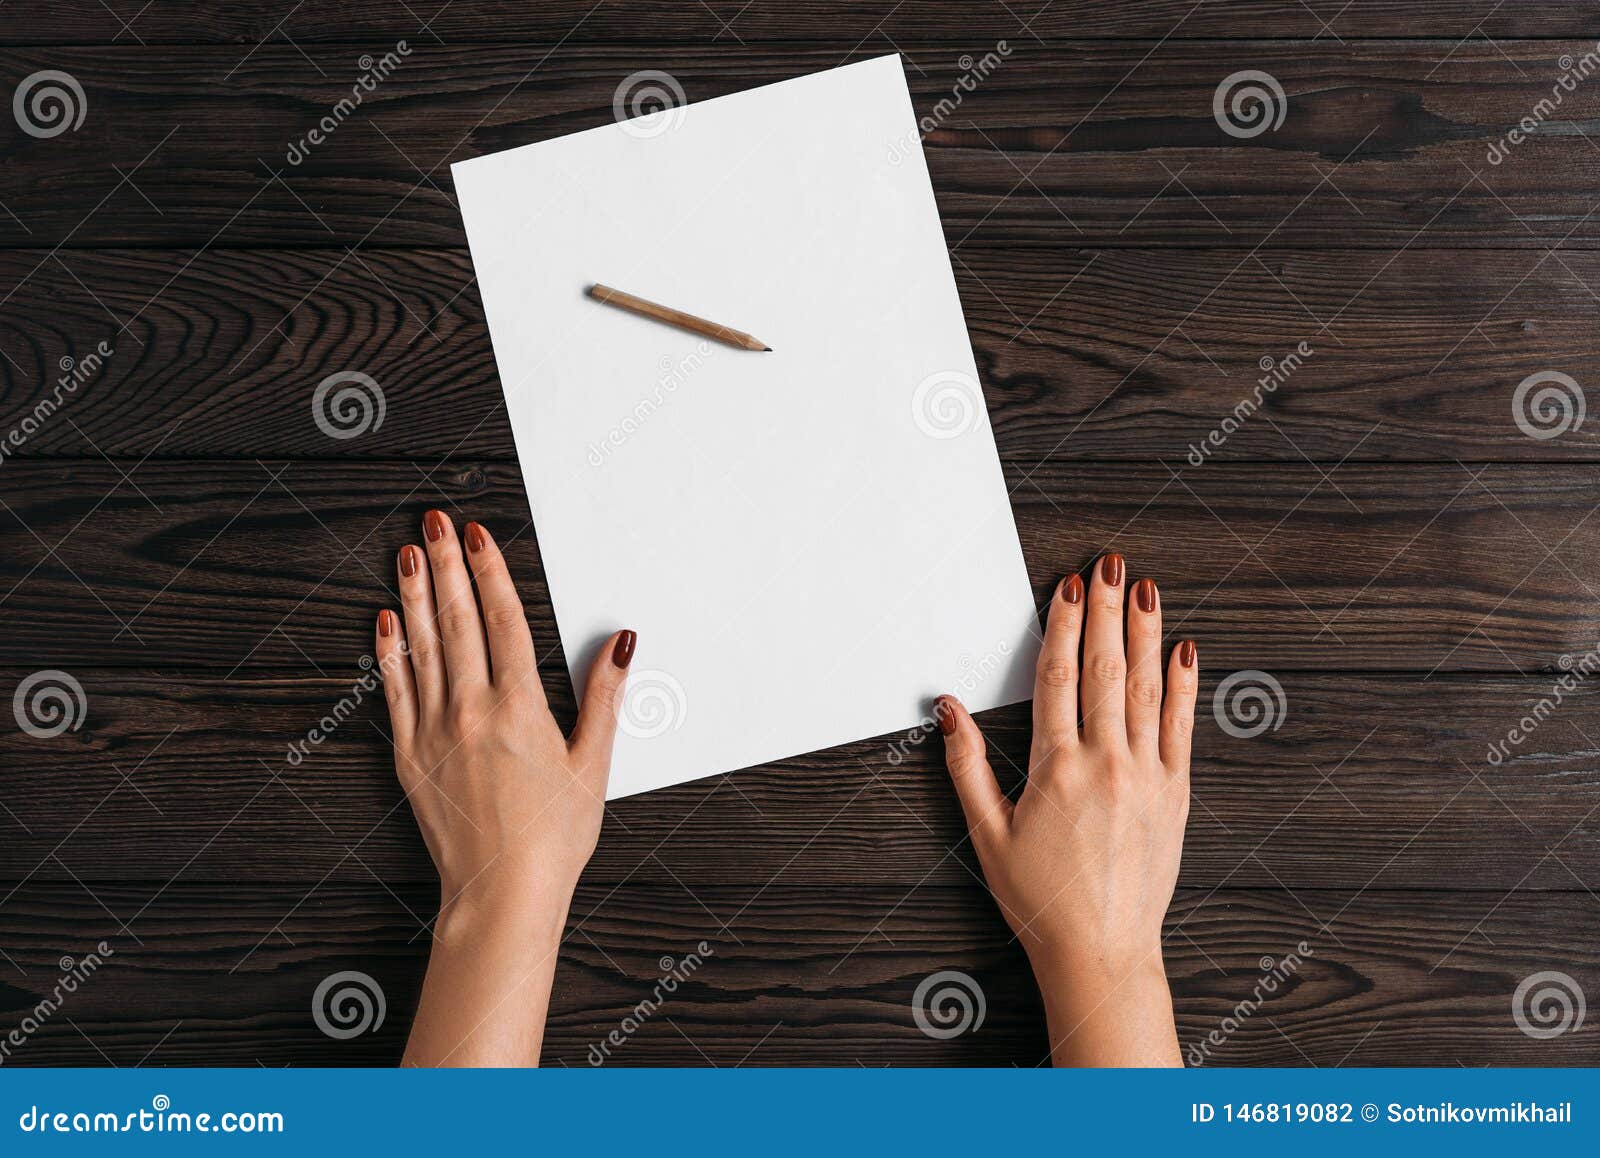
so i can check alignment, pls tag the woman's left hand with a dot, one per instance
(510, 809)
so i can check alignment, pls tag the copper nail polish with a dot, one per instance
(433, 523)
(408, 561)
(1072, 589)
(1111, 569)
(1145, 592)
(622, 654)
(1186, 653)
(475, 537)
(386, 623)
(945, 713)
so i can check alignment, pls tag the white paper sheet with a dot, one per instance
(811, 543)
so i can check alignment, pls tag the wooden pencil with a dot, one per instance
(736, 338)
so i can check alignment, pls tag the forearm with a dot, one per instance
(487, 989)
(1105, 1015)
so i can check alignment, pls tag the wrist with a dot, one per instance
(1108, 1010)
(1095, 968)
(511, 903)
(1081, 984)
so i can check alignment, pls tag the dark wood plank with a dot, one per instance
(843, 21)
(1110, 143)
(1380, 780)
(241, 566)
(227, 975)
(1124, 354)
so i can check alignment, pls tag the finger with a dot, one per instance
(1101, 692)
(1177, 714)
(1055, 692)
(400, 692)
(422, 632)
(1144, 667)
(596, 730)
(466, 657)
(394, 669)
(987, 810)
(506, 624)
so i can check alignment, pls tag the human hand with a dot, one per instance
(509, 808)
(502, 798)
(1084, 864)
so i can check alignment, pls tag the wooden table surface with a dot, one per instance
(1398, 539)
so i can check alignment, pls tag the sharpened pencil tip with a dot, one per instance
(766, 349)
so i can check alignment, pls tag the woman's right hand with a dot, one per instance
(1084, 864)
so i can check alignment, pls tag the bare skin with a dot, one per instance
(510, 809)
(1084, 863)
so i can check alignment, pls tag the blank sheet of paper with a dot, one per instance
(812, 543)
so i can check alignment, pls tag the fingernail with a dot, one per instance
(408, 561)
(1111, 569)
(1072, 589)
(1145, 592)
(1186, 653)
(622, 654)
(475, 537)
(945, 713)
(386, 623)
(434, 524)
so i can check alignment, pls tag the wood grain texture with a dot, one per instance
(242, 566)
(833, 21)
(1384, 781)
(1095, 354)
(1109, 143)
(225, 974)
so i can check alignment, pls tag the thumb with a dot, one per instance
(986, 807)
(597, 716)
